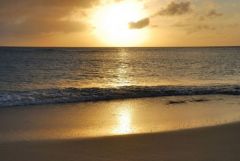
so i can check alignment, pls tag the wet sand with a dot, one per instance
(219, 143)
(161, 129)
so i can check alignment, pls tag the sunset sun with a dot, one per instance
(111, 23)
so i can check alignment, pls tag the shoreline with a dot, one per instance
(66, 94)
(219, 143)
(110, 118)
(183, 128)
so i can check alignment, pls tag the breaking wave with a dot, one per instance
(71, 95)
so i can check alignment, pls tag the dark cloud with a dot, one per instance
(26, 17)
(139, 24)
(172, 9)
(176, 8)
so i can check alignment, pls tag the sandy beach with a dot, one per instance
(199, 128)
(219, 143)
(119, 80)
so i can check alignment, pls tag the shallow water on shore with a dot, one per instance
(120, 117)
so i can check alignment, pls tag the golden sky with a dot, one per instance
(87, 23)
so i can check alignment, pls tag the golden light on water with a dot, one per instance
(124, 122)
(122, 71)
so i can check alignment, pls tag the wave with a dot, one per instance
(71, 95)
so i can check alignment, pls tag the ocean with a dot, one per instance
(33, 76)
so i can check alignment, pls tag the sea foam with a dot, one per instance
(70, 95)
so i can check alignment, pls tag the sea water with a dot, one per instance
(31, 76)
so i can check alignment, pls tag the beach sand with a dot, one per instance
(161, 129)
(220, 143)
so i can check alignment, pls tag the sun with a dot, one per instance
(111, 23)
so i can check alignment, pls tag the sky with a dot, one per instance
(105, 23)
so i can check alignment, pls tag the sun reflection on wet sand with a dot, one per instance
(124, 122)
(120, 117)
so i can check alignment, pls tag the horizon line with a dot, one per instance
(207, 46)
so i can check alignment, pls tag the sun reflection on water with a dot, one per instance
(122, 71)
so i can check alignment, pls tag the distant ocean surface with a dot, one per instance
(31, 76)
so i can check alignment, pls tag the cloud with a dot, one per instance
(200, 27)
(172, 9)
(192, 27)
(139, 24)
(200, 21)
(40, 26)
(28, 17)
(176, 8)
(46, 3)
(213, 13)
